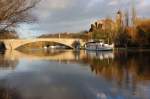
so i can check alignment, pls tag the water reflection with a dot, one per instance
(7, 63)
(8, 93)
(64, 74)
(100, 55)
(130, 71)
(55, 55)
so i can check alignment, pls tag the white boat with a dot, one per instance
(98, 46)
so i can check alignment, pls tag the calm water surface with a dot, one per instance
(54, 74)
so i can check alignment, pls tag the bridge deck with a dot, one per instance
(15, 43)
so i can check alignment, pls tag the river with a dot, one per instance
(67, 74)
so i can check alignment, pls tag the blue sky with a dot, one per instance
(76, 15)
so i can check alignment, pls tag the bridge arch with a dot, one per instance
(15, 43)
(43, 44)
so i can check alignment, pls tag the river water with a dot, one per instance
(67, 74)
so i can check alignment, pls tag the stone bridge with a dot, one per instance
(12, 44)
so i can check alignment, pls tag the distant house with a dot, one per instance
(103, 24)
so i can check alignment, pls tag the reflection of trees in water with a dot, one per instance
(98, 65)
(136, 63)
(127, 68)
(8, 93)
(5, 63)
(76, 54)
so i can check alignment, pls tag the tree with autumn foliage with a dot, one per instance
(103, 29)
(143, 32)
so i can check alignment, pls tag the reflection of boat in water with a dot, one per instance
(101, 54)
(98, 46)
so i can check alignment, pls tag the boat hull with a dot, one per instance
(99, 49)
(99, 46)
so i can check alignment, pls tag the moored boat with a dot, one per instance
(98, 46)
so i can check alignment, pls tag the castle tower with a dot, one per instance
(127, 19)
(119, 21)
(133, 20)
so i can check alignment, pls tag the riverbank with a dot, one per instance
(132, 49)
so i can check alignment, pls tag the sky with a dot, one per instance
(55, 16)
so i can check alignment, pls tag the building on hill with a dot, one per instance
(103, 29)
(103, 24)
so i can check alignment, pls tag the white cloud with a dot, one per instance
(45, 7)
(54, 4)
(113, 2)
(93, 2)
(143, 3)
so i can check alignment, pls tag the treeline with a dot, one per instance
(81, 35)
(135, 36)
(122, 35)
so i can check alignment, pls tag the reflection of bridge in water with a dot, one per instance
(62, 56)
(11, 58)
(15, 43)
(59, 55)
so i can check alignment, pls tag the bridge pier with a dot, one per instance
(2, 46)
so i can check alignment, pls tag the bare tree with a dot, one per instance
(13, 12)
